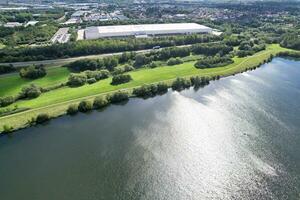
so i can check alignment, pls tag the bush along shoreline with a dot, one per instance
(144, 91)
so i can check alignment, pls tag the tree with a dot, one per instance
(5, 101)
(41, 118)
(7, 69)
(31, 91)
(140, 60)
(121, 78)
(85, 106)
(119, 97)
(33, 72)
(100, 102)
(72, 109)
(291, 40)
(83, 65)
(76, 80)
(174, 61)
(98, 75)
(180, 84)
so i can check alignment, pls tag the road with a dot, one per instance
(56, 62)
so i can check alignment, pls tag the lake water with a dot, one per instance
(237, 138)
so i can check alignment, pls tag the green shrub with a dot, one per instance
(122, 78)
(7, 129)
(85, 106)
(76, 80)
(98, 75)
(5, 101)
(31, 91)
(199, 81)
(152, 65)
(33, 72)
(174, 61)
(72, 109)
(162, 88)
(100, 102)
(6, 69)
(210, 62)
(145, 91)
(119, 96)
(41, 118)
(128, 68)
(180, 84)
(91, 80)
(83, 65)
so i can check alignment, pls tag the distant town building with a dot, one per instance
(12, 24)
(31, 23)
(61, 36)
(144, 29)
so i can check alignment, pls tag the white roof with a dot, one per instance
(144, 29)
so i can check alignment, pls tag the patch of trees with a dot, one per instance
(42, 118)
(76, 80)
(30, 92)
(248, 48)
(97, 103)
(5, 101)
(141, 60)
(121, 78)
(72, 109)
(123, 69)
(118, 97)
(7, 69)
(167, 53)
(88, 47)
(27, 35)
(33, 72)
(174, 61)
(198, 81)
(210, 62)
(83, 65)
(291, 40)
(232, 41)
(100, 102)
(90, 77)
(150, 90)
(181, 83)
(97, 75)
(85, 106)
(211, 49)
(108, 63)
(289, 54)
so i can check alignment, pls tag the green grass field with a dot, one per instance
(12, 84)
(55, 102)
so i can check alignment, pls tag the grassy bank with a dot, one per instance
(56, 102)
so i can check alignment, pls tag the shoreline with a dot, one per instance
(20, 120)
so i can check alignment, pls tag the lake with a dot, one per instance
(237, 138)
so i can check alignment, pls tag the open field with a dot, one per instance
(11, 84)
(55, 102)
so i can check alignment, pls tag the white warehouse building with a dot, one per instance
(144, 30)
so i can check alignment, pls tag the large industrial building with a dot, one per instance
(144, 30)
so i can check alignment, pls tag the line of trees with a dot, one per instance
(89, 47)
(215, 61)
(248, 48)
(291, 40)
(4, 69)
